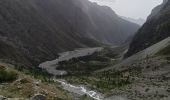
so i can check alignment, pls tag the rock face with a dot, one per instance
(2, 97)
(38, 97)
(154, 30)
(33, 31)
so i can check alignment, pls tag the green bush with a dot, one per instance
(7, 76)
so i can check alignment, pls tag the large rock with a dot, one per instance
(38, 97)
(2, 97)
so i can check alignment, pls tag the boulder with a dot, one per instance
(2, 97)
(39, 97)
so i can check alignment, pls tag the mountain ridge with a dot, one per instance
(138, 21)
(37, 30)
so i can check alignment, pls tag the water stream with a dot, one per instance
(51, 66)
(81, 90)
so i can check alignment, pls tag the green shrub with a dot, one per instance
(7, 76)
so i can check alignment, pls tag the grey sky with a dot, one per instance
(131, 8)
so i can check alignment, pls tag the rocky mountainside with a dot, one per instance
(152, 51)
(108, 27)
(154, 30)
(33, 31)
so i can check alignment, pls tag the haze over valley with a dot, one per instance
(84, 50)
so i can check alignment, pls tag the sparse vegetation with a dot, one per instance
(24, 84)
(34, 71)
(81, 71)
(88, 64)
(103, 82)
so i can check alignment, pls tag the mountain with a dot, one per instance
(155, 29)
(33, 31)
(146, 53)
(108, 25)
(138, 21)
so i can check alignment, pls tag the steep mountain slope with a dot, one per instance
(144, 54)
(33, 31)
(106, 25)
(154, 30)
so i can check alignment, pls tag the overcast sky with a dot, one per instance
(131, 8)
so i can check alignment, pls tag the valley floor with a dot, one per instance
(145, 79)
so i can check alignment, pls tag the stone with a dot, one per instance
(2, 97)
(39, 97)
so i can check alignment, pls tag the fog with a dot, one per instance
(131, 8)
